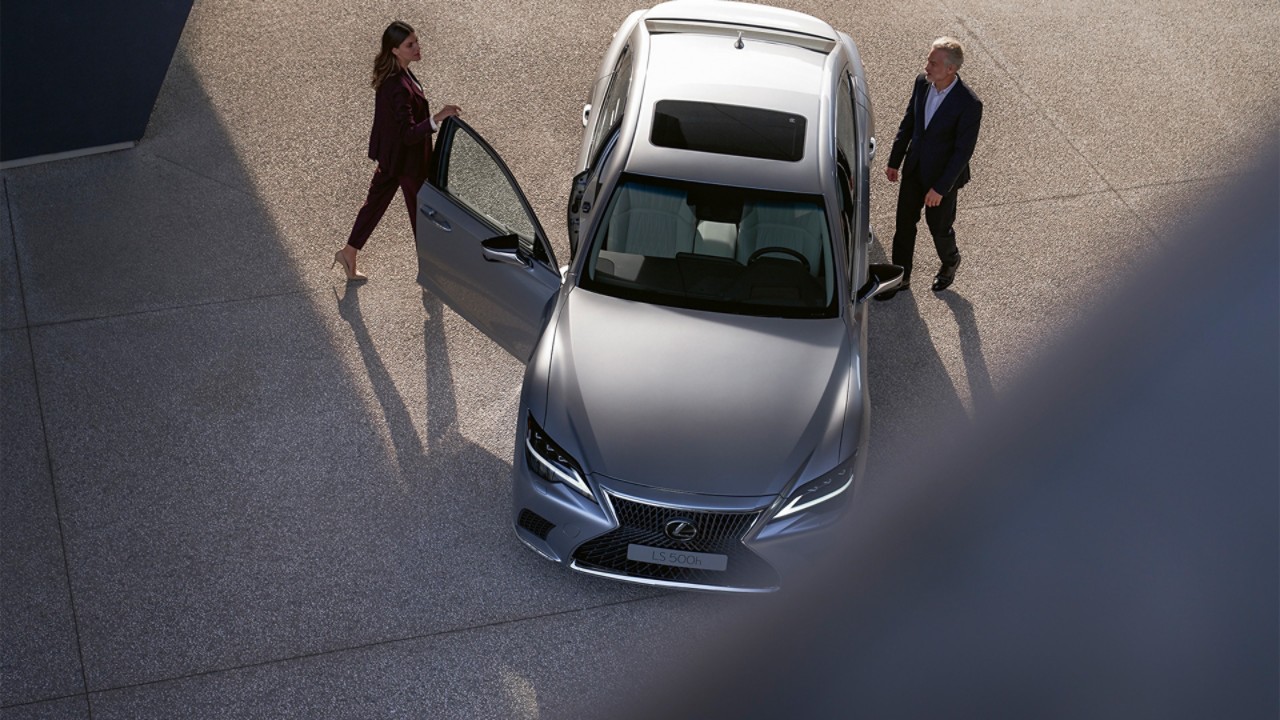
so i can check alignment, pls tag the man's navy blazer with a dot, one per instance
(938, 156)
(400, 139)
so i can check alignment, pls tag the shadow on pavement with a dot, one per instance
(981, 391)
(409, 452)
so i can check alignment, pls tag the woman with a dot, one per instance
(400, 139)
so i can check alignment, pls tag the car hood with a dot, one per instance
(695, 401)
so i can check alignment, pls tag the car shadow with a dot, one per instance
(442, 406)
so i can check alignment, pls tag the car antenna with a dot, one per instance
(738, 44)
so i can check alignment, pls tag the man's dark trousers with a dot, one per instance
(940, 219)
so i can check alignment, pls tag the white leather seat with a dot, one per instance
(782, 225)
(651, 221)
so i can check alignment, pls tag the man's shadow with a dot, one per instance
(912, 393)
(981, 390)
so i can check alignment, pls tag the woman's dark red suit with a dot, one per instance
(401, 143)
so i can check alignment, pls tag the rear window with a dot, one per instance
(728, 130)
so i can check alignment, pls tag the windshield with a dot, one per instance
(714, 247)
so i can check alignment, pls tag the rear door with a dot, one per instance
(481, 250)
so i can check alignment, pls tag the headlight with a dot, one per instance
(550, 462)
(828, 487)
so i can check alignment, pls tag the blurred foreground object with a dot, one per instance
(1106, 547)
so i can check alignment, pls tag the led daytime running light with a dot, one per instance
(796, 505)
(561, 468)
(820, 490)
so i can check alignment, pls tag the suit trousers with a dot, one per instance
(940, 220)
(381, 189)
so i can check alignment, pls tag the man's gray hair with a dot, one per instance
(953, 49)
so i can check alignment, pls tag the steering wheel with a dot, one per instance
(784, 250)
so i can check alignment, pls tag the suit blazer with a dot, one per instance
(938, 155)
(400, 139)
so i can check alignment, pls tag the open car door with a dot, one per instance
(480, 247)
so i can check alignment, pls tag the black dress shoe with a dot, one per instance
(906, 283)
(946, 276)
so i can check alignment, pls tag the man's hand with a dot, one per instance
(891, 173)
(933, 199)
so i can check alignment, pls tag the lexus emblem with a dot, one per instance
(680, 529)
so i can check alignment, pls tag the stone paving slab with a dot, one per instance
(13, 313)
(1148, 91)
(249, 481)
(72, 708)
(1169, 208)
(39, 658)
(138, 233)
(542, 667)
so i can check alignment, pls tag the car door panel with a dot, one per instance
(480, 249)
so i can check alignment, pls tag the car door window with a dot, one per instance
(846, 157)
(609, 114)
(475, 177)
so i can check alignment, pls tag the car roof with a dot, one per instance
(692, 54)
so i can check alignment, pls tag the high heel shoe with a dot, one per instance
(352, 275)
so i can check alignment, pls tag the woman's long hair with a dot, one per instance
(386, 64)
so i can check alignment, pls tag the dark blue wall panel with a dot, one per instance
(78, 74)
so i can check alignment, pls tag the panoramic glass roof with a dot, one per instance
(728, 130)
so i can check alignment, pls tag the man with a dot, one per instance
(934, 143)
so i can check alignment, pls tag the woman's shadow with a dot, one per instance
(457, 492)
(429, 454)
(410, 455)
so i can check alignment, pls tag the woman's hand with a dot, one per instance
(447, 111)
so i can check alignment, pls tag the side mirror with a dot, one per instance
(883, 277)
(586, 114)
(504, 249)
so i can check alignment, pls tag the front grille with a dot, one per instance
(535, 523)
(642, 524)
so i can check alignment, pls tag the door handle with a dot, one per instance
(435, 217)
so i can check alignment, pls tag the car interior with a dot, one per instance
(697, 245)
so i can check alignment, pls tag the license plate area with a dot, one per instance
(677, 558)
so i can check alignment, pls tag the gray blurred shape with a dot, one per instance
(1106, 546)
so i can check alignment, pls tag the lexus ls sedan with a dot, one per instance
(694, 409)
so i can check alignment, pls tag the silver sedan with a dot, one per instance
(694, 410)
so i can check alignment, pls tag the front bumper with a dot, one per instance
(562, 525)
